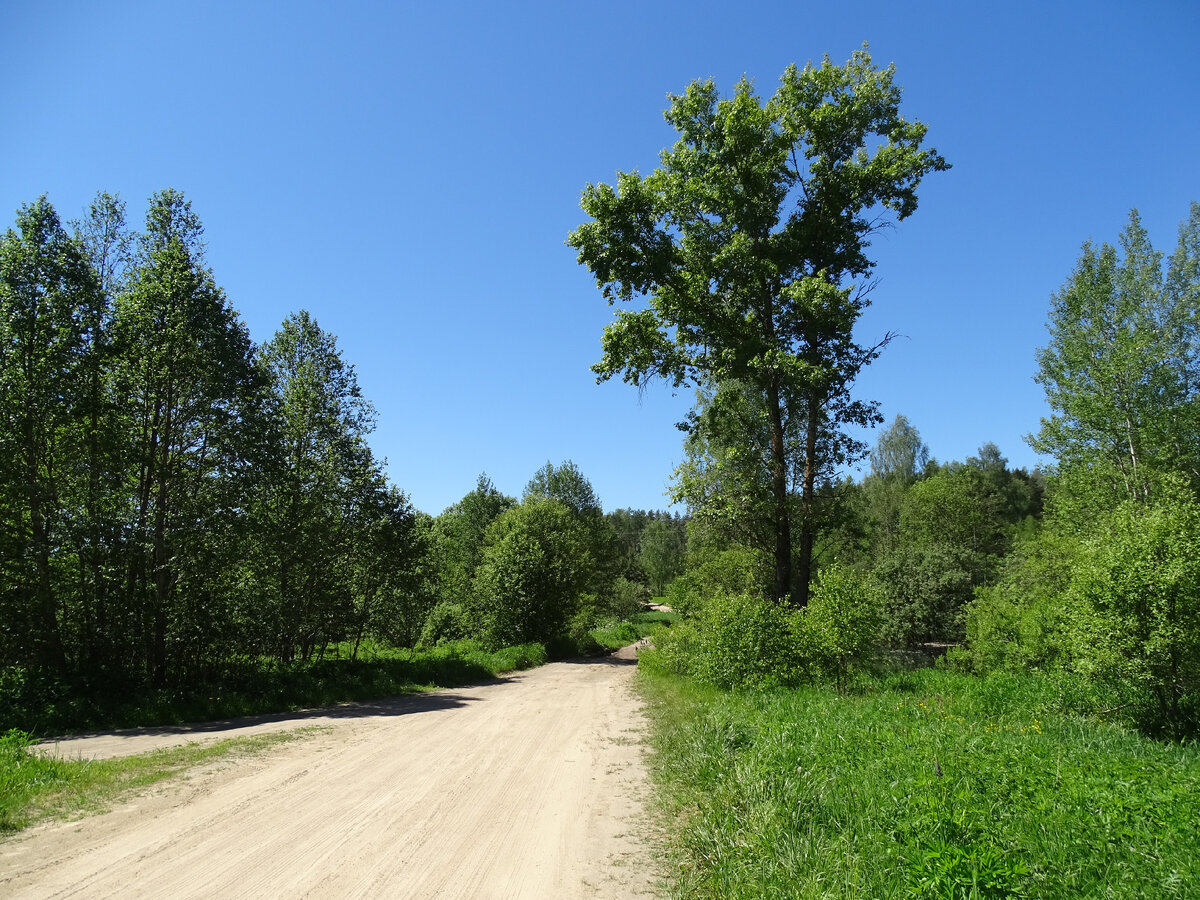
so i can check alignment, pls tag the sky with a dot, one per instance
(409, 173)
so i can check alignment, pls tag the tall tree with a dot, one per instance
(740, 246)
(898, 459)
(1122, 369)
(664, 542)
(460, 531)
(98, 527)
(325, 480)
(46, 291)
(188, 375)
(568, 485)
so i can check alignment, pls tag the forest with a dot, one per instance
(181, 504)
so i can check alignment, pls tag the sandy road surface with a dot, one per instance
(527, 788)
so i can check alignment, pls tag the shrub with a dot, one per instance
(445, 622)
(841, 622)
(1136, 595)
(738, 570)
(624, 599)
(927, 590)
(736, 641)
(1022, 621)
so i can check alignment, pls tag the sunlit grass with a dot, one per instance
(929, 784)
(615, 635)
(35, 786)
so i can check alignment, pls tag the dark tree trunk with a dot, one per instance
(779, 489)
(808, 499)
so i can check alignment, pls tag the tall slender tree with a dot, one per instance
(47, 289)
(325, 490)
(186, 367)
(1122, 369)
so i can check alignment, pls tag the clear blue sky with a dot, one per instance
(408, 173)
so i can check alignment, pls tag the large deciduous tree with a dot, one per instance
(325, 470)
(739, 248)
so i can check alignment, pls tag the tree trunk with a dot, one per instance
(808, 499)
(779, 489)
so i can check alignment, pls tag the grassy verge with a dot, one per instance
(622, 634)
(35, 787)
(43, 705)
(929, 784)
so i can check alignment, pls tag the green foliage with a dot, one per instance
(535, 565)
(939, 540)
(624, 599)
(740, 244)
(731, 571)
(445, 622)
(1121, 371)
(928, 784)
(566, 484)
(43, 703)
(459, 536)
(47, 292)
(899, 454)
(841, 623)
(1136, 587)
(663, 545)
(1022, 622)
(735, 641)
(928, 589)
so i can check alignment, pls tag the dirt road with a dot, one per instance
(527, 788)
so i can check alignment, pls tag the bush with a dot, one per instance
(624, 599)
(928, 589)
(1022, 621)
(445, 622)
(736, 641)
(1136, 598)
(841, 622)
(739, 570)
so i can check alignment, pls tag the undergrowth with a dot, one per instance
(615, 635)
(928, 784)
(43, 704)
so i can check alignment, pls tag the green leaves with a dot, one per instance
(1137, 590)
(534, 567)
(1121, 371)
(735, 252)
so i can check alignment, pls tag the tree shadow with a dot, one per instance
(399, 705)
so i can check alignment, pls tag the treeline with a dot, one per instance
(1088, 571)
(176, 500)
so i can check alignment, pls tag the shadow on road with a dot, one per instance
(405, 704)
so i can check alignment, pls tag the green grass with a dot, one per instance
(34, 787)
(622, 634)
(927, 784)
(43, 705)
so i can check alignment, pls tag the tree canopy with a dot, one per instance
(738, 249)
